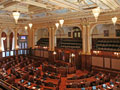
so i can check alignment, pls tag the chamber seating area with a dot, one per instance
(59, 44)
(33, 73)
(43, 42)
(25, 73)
(73, 43)
(106, 44)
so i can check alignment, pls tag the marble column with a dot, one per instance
(50, 36)
(53, 39)
(33, 38)
(88, 40)
(29, 38)
(15, 38)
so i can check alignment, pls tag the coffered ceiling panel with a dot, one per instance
(43, 10)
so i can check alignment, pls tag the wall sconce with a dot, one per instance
(45, 47)
(117, 54)
(17, 47)
(54, 53)
(72, 55)
(61, 22)
(96, 52)
(80, 53)
(35, 47)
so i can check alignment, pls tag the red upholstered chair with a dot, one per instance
(38, 72)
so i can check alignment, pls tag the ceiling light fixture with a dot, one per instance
(61, 22)
(57, 25)
(96, 12)
(30, 25)
(114, 20)
(16, 16)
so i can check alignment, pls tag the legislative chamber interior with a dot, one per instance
(59, 44)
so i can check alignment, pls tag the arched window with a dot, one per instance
(76, 32)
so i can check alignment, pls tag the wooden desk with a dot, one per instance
(33, 86)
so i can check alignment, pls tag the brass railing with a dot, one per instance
(7, 86)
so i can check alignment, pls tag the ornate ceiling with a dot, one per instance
(42, 11)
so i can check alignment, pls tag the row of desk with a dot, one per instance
(34, 86)
(80, 84)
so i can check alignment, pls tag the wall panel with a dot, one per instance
(97, 61)
(116, 64)
(107, 62)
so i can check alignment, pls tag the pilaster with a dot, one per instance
(84, 39)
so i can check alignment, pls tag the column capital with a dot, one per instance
(51, 27)
(15, 29)
(86, 24)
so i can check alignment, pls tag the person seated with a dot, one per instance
(3, 69)
(37, 86)
(17, 75)
(45, 76)
(26, 68)
(51, 84)
(82, 88)
(13, 69)
(37, 76)
(31, 72)
(117, 80)
(111, 83)
(38, 82)
(38, 72)
(31, 79)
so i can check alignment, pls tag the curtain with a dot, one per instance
(2, 44)
(13, 43)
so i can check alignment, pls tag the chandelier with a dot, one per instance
(57, 25)
(96, 12)
(30, 25)
(114, 20)
(16, 16)
(60, 22)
